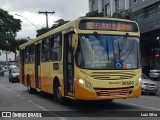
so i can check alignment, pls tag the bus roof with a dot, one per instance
(70, 24)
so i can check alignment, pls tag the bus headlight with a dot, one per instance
(81, 81)
(85, 83)
(88, 85)
(137, 82)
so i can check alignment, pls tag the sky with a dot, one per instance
(31, 20)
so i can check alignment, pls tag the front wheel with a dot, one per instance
(58, 95)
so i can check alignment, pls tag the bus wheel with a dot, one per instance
(30, 89)
(58, 96)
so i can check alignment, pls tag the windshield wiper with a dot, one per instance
(99, 39)
(119, 50)
(122, 44)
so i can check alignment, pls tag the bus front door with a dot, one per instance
(22, 65)
(68, 68)
(37, 65)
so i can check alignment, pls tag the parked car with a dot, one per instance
(1, 71)
(155, 73)
(14, 74)
(4, 69)
(12, 66)
(148, 86)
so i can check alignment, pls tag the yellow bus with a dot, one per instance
(85, 59)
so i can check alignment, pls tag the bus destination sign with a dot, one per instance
(109, 25)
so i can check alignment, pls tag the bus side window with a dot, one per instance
(31, 57)
(56, 47)
(27, 54)
(46, 49)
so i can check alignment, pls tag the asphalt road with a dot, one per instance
(14, 97)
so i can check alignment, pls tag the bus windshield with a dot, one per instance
(97, 51)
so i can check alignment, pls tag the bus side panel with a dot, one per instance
(32, 75)
(46, 79)
(25, 74)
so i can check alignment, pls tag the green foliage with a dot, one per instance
(122, 14)
(55, 25)
(42, 31)
(94, 14)
(9, 26)
(59, 23)
(117, 15)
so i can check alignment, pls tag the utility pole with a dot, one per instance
(46, 13)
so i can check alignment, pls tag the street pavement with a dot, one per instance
(158, 83)
(15, 97)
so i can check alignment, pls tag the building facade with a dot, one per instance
(147, 14)
(6, 56)
(108, 7)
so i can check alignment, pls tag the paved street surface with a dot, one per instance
(15, 97)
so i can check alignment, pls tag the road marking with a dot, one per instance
(29, 101)
(144, 106)
(45, 109)
(39, 106)
(18, 95)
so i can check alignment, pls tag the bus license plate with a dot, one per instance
(114, 93)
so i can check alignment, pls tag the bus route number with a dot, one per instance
(127, 82)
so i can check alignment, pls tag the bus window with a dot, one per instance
(27, 54)
(31, 53)
(46, 49)
(56, 47)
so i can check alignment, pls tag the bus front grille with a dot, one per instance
(112, 75)
(103, 92)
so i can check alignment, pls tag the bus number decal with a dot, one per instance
(127, 82)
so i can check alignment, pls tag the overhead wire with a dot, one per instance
(69, 4)
(68, 8)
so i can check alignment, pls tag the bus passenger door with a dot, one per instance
(22, 65)
(68, 68)
(37, 65)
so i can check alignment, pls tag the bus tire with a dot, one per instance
(58, 95)
(30, 89)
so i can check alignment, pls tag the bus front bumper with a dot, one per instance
(83, 93)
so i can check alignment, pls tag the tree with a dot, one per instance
(94, 14)
(123, 14)
(42, 31)
(16, 44)
(9, 26)
(59, 23)
(55, 25)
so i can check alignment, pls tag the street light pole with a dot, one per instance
(27, 20)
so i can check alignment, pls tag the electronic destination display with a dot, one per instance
(108, 25)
